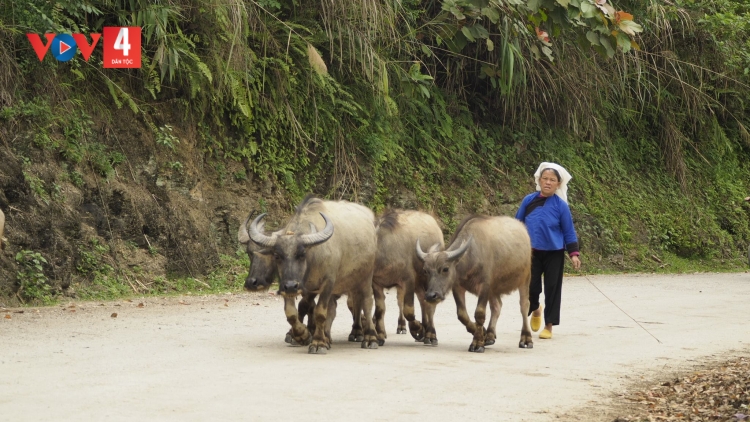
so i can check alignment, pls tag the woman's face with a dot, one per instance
(549, 182)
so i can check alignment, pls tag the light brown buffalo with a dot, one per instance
(335, 261)
(490, 257)
(397, 265)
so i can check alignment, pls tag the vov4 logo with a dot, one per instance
(122, 46)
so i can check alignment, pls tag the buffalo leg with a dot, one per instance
(495, 306)
(415, 327)
(330, 317)
(300, 334)
(379, 318)
(430, 335)
(421, 328)
(401, 328)
(319, 344)
(477, 344)
(363, 299)
(305, 308)
(459, 295)
(356, 335)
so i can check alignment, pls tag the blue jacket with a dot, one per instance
(550, 226)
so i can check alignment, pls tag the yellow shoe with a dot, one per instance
(536, 321)
(545, 334)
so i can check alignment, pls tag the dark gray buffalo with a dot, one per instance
(263, 273)
(490, 257)
(397, 265)
(331, 262)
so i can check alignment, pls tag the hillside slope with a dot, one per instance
(116, 181)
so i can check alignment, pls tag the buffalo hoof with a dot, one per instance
(370, 344)
(430, 342)
(489, 342)
(296, 341)
(401, 330)
(288, 339)
(381, 342)
(526, 345)
(317, 350)
(479, 349)
(356, 338)
(418, 335)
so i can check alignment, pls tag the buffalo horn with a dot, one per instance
(458, 252)
(318, 237)
(256, 233)
(420, 252)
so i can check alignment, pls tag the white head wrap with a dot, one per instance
(562, 191)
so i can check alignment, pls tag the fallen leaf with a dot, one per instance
(7, 316)
(182, 302)
(17, 312)
(141, 305)
(114, 315)
(226, 304)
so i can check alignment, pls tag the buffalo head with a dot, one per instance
(262, 266)
(440, 269)
(289, 251)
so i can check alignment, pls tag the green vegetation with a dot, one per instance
(447, 105)
(33, 283)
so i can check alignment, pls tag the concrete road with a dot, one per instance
(223, 357)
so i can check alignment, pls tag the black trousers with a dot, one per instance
(551, 264)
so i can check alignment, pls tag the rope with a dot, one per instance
(621, 310)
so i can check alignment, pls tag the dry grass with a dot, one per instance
(717, 393)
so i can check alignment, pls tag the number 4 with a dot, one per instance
(121, 43)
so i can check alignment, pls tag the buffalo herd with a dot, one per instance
(332, 248)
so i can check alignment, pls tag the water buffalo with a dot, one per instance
(332, 262)
(490, 257)
(263, 273)
(397, 265)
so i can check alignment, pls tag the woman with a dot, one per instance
(550, 225)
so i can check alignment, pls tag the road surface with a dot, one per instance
(197, 358)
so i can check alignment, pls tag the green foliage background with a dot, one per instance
(420, 99)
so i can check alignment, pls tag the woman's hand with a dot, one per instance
(576, 262)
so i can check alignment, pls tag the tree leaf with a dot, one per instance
(467, 33)
(457, 13)
(492, 14)
(607, 44)
(623, 41)
(593, 38)
(588, 10)
(490, 45)
(563, 3)
(479, 31)
(629, 27)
